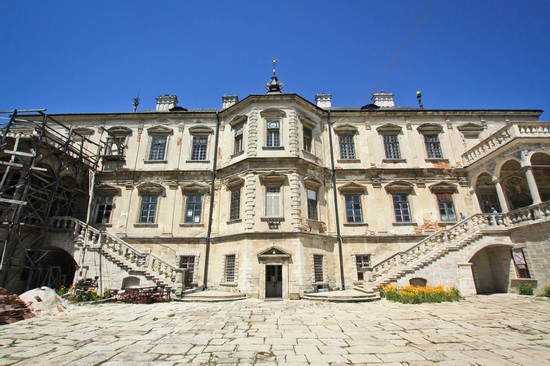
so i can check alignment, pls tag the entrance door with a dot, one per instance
(274, 281)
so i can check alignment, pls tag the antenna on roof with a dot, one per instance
(274, 61)
(419, 97)
(136, 102)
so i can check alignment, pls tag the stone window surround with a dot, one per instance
(106, 190)
(200, 130)
(150, 189)
(347, 130)
(274, 115)
(232, 185)
(444, 187)
(354, 188)
(196, 265)
(401, 187)
(197, 189)
(158, 131)
(223, 281)
(238, 122)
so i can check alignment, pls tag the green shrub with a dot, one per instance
(547, 290)
(526, 289)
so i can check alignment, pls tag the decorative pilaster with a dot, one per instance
(252, 141)
(295, 201)
(249, 201)
(293, 135)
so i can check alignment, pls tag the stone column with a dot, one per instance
(501, 196)
(532, 183)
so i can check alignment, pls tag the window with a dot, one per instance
(200, 144)
(433, 146)
(235, 207)
(446, 207)
(308, 139)
(353, 208)
(103, 210)
(312, 204)
(362, 261)
(391, 147)
(158, 147)
(193, 209)
(116, 145)
(273, 134)
(238, 140)
(347, 147)
(229, 270)
(148, 209)
(272, 201)
(188, 262)
(401, 207)
(318, 267)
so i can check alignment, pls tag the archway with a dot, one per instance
(541, 170)
(56, 268)
(491, 269)
(486, 193)
(514, 185)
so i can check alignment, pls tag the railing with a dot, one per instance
(446, 238)
(506, 134)
(95, 238)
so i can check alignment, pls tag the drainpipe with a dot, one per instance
(338, 233)
(211, 210)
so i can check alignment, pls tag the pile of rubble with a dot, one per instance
(12, 308)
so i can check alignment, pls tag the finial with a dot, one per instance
(135, 104)
(419, 97)
(274, 62)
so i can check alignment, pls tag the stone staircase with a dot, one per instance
(460, 236)
(119, 252)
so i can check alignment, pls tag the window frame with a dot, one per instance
(238, 138)
(360, 260)
(392, 149)
(191, 218)
(235, 204)
(433, 146)
(318, 272)
(99, 209)
(447, 212)
(199, 148)
(230, 268)
(270, 192)
(400, 206)
(273, 134)
(190, 265)
(148, 201)
(307, 133)
(353, 203)
(312, 204)
(347, 149)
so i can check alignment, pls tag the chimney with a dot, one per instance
(323, 100)
(383, 99)
(166, 102)
(228, 100)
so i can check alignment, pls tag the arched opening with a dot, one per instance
(541, 170)
(491, 269)
(487, 193)
(514, 185)
(130, 282)
(55, 269)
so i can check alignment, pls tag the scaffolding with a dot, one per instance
(44, 168)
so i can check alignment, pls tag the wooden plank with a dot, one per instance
(13, 201)
(20, 153)
(16, 165)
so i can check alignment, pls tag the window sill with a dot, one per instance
(146, 224)
(273, 147)
(191, 224)
(394, 161)
(237, 154)
(405, 224)
(155, 161)
(236, 221)
(272, 219)
(436, 160)
(348, 161)
(197, 161)
(229, 284)
(356, 224)
(309, 154)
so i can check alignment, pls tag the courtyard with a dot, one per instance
(501, 329)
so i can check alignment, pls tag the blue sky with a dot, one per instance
(95, 56)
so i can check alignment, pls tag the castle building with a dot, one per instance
(274, 196)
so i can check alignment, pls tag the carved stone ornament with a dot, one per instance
(399, 187)
(147, 189)
(195, 187)
(443, 187)
(389, 129)
(429, 129)
(352, 187)
(272, 179)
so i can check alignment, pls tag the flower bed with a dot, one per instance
(417, 295)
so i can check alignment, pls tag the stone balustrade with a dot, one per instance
(504, 136)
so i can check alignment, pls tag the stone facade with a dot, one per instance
(273, 195)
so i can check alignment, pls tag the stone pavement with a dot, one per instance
(502, 329)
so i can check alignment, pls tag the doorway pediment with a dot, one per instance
(272, 253)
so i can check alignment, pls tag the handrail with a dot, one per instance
(461, 230)
(96, 238)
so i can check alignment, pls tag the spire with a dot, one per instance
(274, 86)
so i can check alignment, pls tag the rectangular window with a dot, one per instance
(347, 147)
(104, 208)
(200, 144)
(188, 262)
(362, 261)
(308, 139)
(116, 146)
(312, 204)
(391, 147)
(158, 147)
(193, 209)
(229, 270)
(235, 209)
(401, 208)
(433, 147)
(272, 201)
(446, 207)
(273, 134)
(148, 209)
(238, 140)
(353, 208)
(318, 267)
